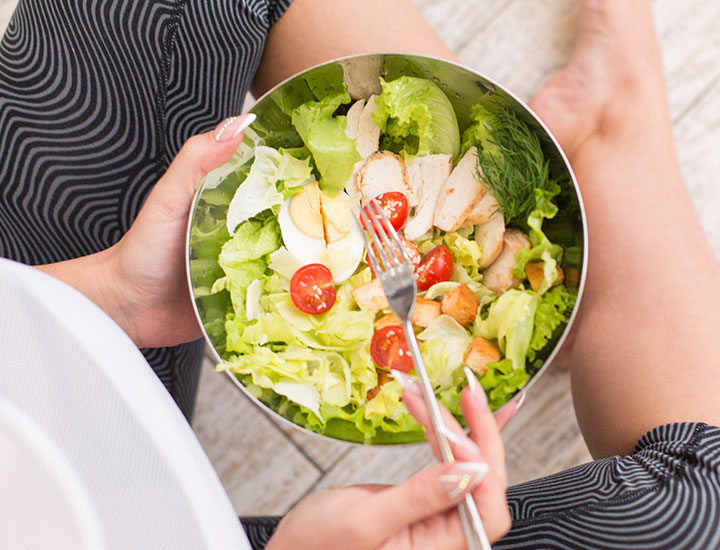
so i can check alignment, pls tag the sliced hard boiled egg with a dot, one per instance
(319, 229)
(302, 228)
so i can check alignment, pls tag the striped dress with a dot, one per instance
(96, 98)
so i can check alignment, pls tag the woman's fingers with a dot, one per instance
(462, 446)
(483, 426)
(199, 155)
(426, 494)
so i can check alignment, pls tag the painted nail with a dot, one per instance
(475, 389)
(462, 477)
(406, 382)
(461, 442)
(231, 127)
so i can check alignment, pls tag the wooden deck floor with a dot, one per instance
(266, 467)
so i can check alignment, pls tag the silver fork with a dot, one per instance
(397, 277)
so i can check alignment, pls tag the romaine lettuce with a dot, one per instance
(553, 312)
(416, 117)
(510, 322)
(334, 153)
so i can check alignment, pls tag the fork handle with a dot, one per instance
(473, 528)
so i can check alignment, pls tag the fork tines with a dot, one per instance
(391, 254)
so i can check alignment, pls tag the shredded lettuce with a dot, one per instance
(510, 322)
(415, 117)
(501, 381)
(541, 247)
(443, 344)
(334, 153)
(552, 313)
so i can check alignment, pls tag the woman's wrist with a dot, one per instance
(99, 278)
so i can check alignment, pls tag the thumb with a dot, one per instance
(426, 494)
(199, 155)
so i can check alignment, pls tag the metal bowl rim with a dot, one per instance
(581, 288)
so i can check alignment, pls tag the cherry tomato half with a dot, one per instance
(312, 290)
(389, 349)
(435, 267)
(395, 206)
(410, 249)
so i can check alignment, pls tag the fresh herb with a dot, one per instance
(511, 162)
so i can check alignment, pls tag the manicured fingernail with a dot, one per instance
(231, 127)
(462, 477)
(406, 381)
(520, 401)
(475, 389)
(460, 442)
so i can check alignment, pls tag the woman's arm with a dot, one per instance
(140, 281)
(313, 31)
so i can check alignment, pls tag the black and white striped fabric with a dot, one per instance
(666, 495)
(96, 98)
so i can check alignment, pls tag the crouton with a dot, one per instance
(461, 304)
(370, 296)
(425, 311)
(535, 272)
(498, 277)
(480, 354)
(387, 320)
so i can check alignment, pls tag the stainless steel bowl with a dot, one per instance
(362, 73)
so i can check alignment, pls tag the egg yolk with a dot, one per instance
(319, 216)
(306, 213)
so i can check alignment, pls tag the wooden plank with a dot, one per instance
(261, 470)
(697, 136)
(457, 21)
(7, 7)
(323, 452)
(543, 437)
(376, 465)
(690, 48)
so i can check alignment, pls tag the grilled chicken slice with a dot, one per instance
(498, 276)
(362, 128)
(427, 175)
(489, 236)
(383, 172)
(482, 211)
(461, 192)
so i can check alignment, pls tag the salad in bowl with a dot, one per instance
(482, 199)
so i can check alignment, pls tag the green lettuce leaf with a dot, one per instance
(552, 314)
(243, 260)
(415, 117)
(541, 247)
(501, 381)
(443, 344)
(510, 322)
(464, 251)
(334, 153)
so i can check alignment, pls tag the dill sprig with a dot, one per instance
(515, 167)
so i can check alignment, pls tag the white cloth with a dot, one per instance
(94, 454)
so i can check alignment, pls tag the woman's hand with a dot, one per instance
(140, 281)
(422, 511)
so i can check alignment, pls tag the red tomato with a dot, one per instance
(435, 267)
(410, 249)
(389, 349)
(312, 290)
(395, 206)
